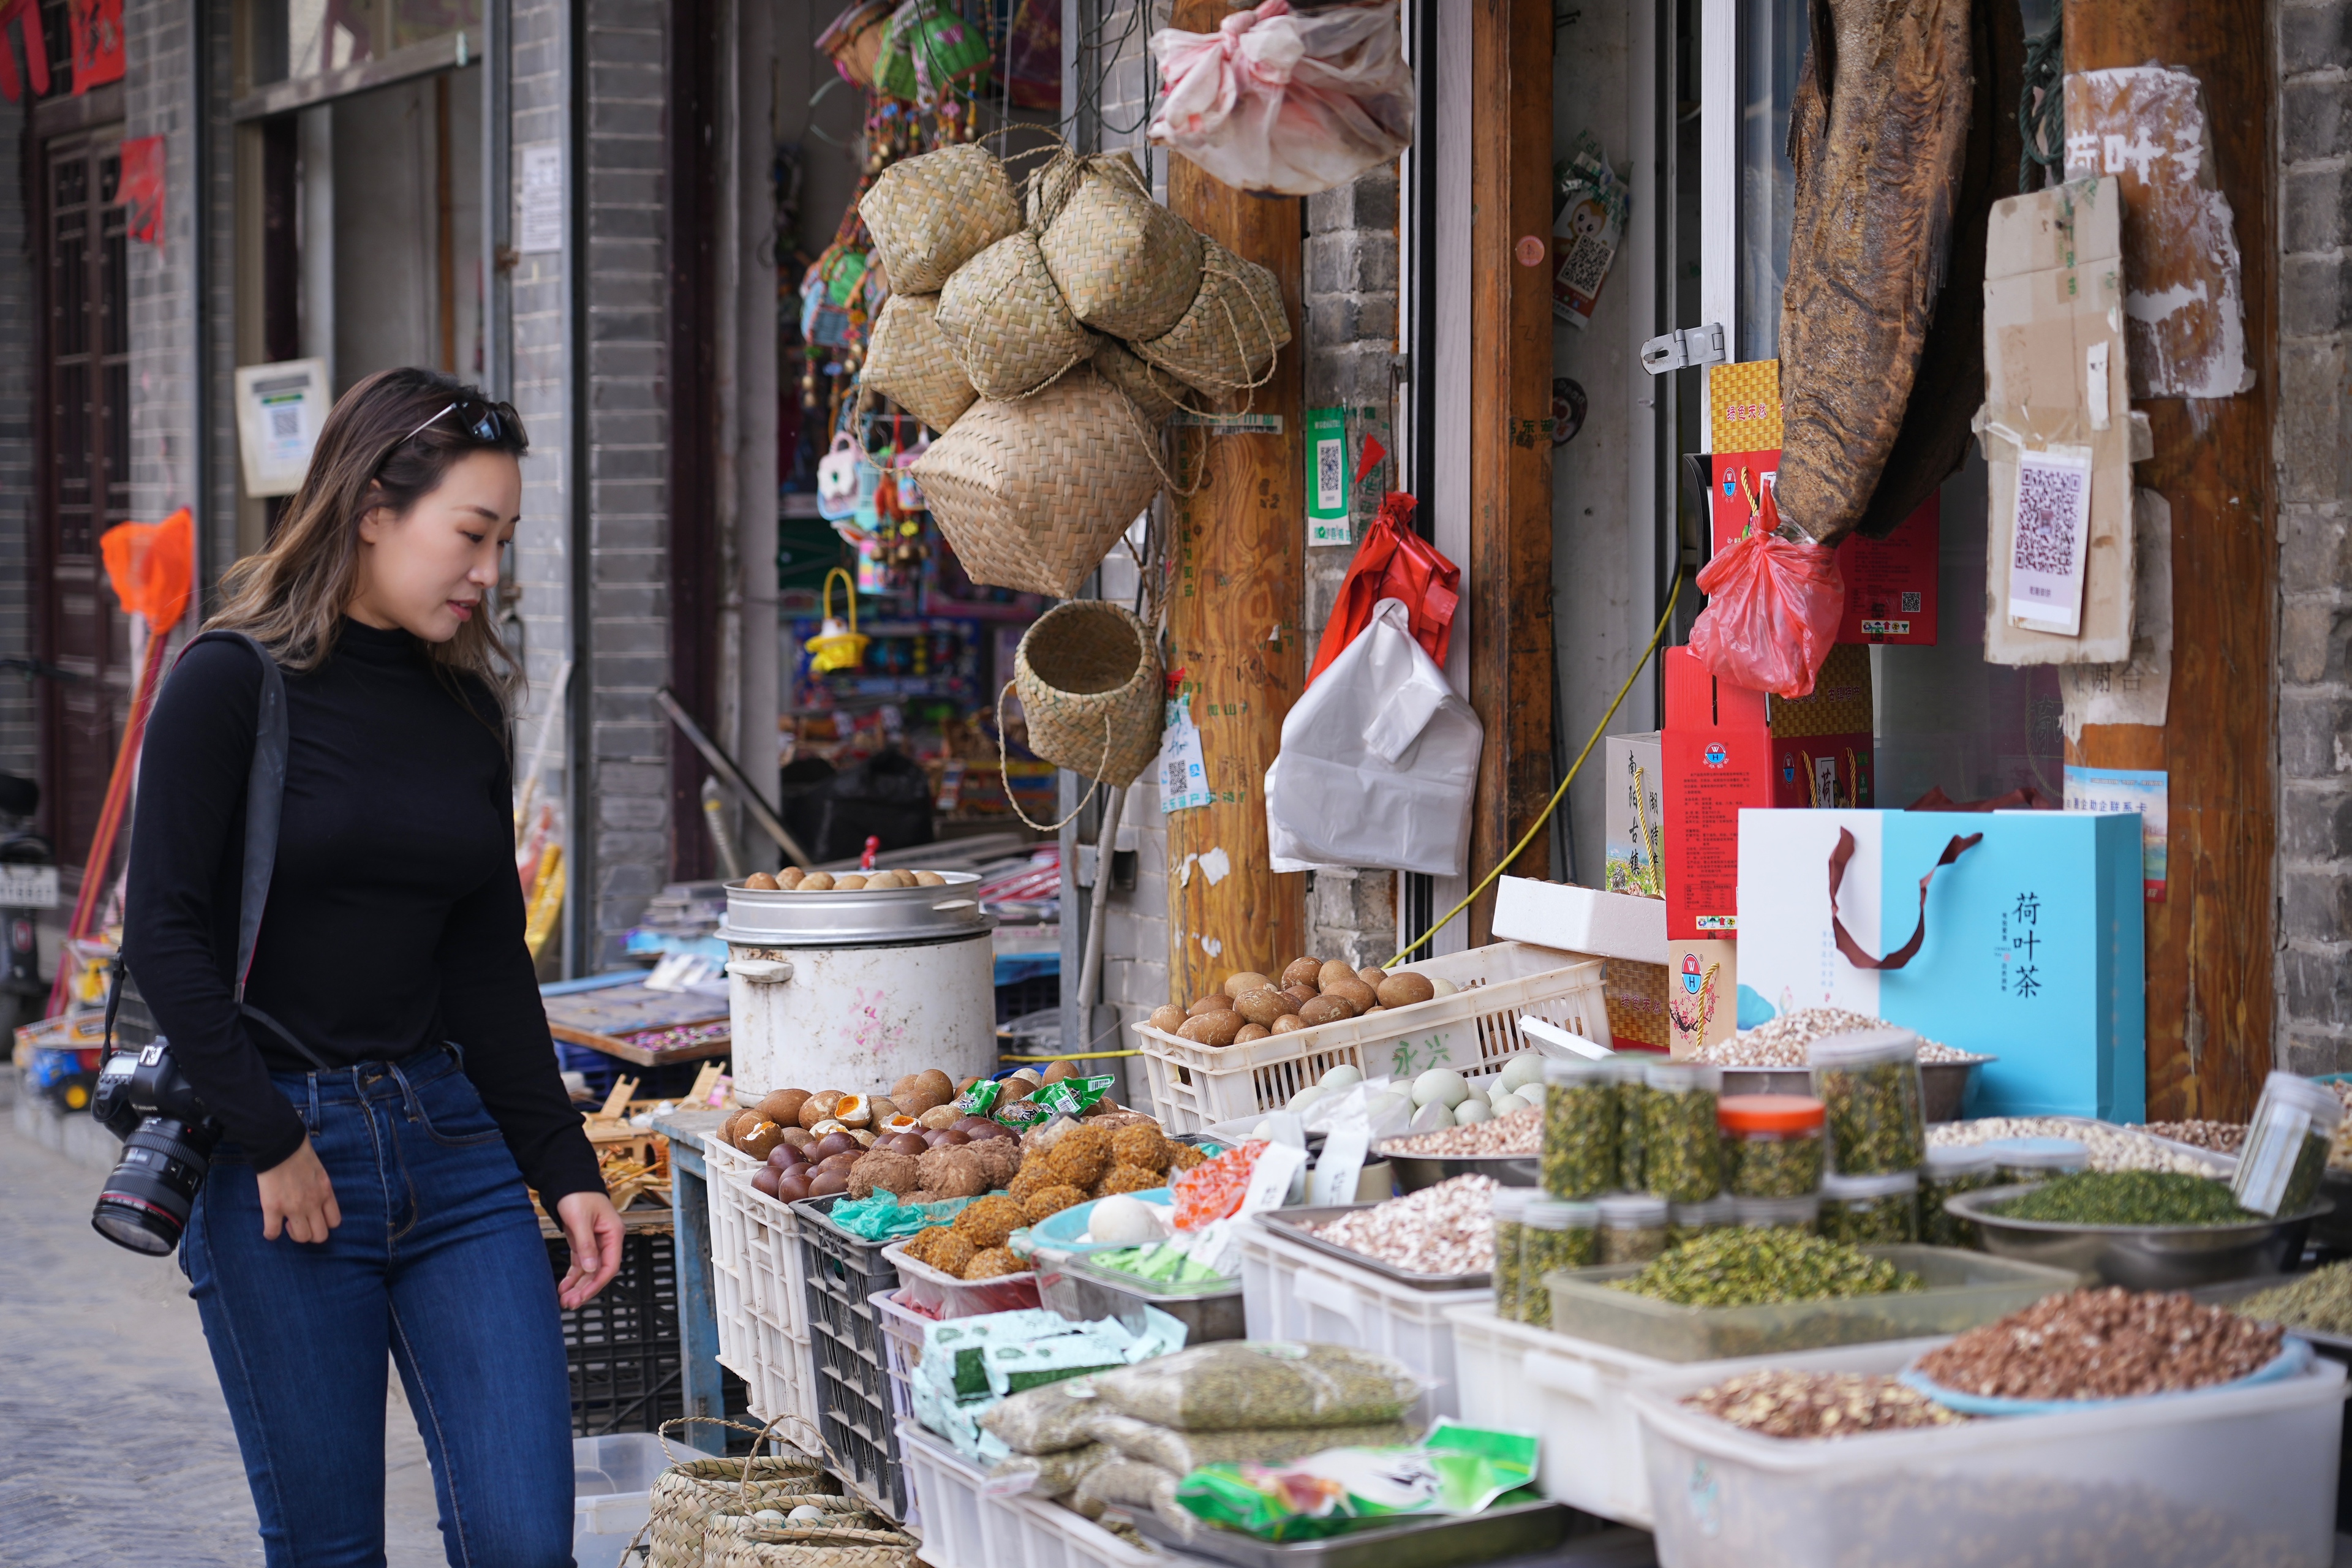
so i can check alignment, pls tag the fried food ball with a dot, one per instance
(1142, 1147)
(1185, 1156)
(950, 1253)
(951, 1171)
(883, 1170)
(1130, 1179)
(1078, 1159)
(991, 1221)
(994, 1263)
(1048, 1202)
(925, 1241)
(1035, 1178)
(998, 1159)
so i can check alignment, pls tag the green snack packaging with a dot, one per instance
(1454, 1470)
(1072, 1096)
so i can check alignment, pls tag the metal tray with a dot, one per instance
(759, 917)
(1415, 1172)
(1290, 1225)
(2142, 1256)
(1943, 1085)
(1522, 1530)
(1085, 1294)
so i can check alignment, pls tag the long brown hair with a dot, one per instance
(385, 444)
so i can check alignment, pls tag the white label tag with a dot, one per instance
(1183, 764)
(2050, 531)
(29, 887)
(1342, 1164)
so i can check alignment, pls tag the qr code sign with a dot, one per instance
(1329, 455)
(1911, 602)
(2049, 501)
(286, 422)
(1587, 265)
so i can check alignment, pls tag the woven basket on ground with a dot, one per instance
(1227, 339)
(1007, 324)
(1031, 495)
(739, 1543)
(1088, 674)
(1153, 392)
(687, 1497)
(1126, 264)
(907, 362)
(930, 215)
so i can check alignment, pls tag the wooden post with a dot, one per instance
(1509, 569)
(2210, 1001)
(1233, 616)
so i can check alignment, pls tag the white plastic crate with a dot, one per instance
(1294, 1293)
(963, 1529)
(902, 1339)
(2240, 1475)
(1473, 1032)
(756, 1292)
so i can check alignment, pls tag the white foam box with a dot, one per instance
(1581, 920)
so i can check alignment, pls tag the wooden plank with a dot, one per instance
(2210, 1001)
(1509, 569)
(1233, 610)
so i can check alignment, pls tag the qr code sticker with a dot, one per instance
(1327, 456)
(1587, 265)
(1911, 602)
(286, 422)
(2048, 500)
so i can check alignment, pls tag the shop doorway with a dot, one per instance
(83, 486)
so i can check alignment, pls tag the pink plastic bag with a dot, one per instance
(1285, 104)
(1771, 614)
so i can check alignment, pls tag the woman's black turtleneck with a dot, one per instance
(394, 919)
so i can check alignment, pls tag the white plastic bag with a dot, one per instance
(1378, 761)
(1283, 104)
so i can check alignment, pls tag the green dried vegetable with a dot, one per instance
(1753, 1267)
(1632, 1110)
(1879, 1221)
(1772, 1166)
(1633, 1244)
(2321, 1301)
(1509, 1278)
(1938, 1227)
(1682, 1144)
(1876, 1120)
(2127, 1197)
(1579, 1147)
(1544, 1252)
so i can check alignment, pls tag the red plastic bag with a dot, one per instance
(1771, 614)
(1393, 562)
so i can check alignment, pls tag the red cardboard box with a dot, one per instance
(1890, 584)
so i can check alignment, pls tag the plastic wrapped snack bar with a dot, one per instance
(1252, 1383)
(1184, 1452)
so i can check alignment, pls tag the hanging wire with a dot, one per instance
(2042, 122)
(1102, 52)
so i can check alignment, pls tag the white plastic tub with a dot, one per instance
(756, 1291)
(611, 1485)
(2233, 1476)
(962, 1528)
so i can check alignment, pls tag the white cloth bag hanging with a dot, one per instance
(1379, 762)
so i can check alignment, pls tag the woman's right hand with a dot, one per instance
(298, 1198)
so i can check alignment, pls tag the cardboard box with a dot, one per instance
(1636, 993)
(1581, 920)
(1633, 815)
(1701, 994)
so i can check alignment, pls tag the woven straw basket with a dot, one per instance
(739, 1543)
(1153, 392)
(907, 362)
(1007, 322)
(930, 215)
(1033, 495)
(1089, 677)
(687, 1497)
(1126, 264)
(1227, 339)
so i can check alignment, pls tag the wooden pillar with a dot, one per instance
(2210, 996)
(1509, 570)
(1234, 613)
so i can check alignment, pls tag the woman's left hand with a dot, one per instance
(593, 1225)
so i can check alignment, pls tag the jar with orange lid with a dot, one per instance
(1772, 1145)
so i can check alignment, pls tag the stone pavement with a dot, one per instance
(114, 1445)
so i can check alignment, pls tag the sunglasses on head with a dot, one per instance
(493, 423)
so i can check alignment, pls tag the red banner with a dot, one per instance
(97, 27)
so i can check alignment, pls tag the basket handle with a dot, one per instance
(849, 591)
(1004, 763)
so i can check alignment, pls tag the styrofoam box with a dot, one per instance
(963, 1529)
(2238, 1474)
(1294, 1293)
(756, 1292)
(1474, 1031)
(1581, 920)
(1571, 1393)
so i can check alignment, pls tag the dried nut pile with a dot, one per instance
(2109, 1148)
(2222, 1137)
(1818, 1405)
(2127, 1197)
(1750, 1267)
(1518, 1132)
(2321, 1301)
(2108, 1343)
(1781, 1043)
(1444, 1229)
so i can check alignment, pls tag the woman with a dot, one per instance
(380, 1207)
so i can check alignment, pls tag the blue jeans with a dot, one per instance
(438, 1263)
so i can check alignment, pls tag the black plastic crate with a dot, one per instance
(1019, 998)
(853, 1385)
(621, 1349)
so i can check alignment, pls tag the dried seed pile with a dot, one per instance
(2108, 1343)
(2109, 1148)
(2222, 1137)
(1818, 1405)
(1516, 1132)
(1681, 1149)
(1445, 1229)
(1233, 1384)
(1749, 1268)
(2320, 1301)
(2127, 1197)
(1781, 1043)
(1876, 1124)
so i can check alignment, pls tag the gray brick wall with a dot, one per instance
(2314, 467)
(18, 734)
(157, 101)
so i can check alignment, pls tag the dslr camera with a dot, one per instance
(168, 1138)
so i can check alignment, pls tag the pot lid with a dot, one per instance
(773, 917)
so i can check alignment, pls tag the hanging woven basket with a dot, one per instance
(686, 1498)
(736, 1542)
(1226, 340)
(1153, 391)
(1126, 265)
(930, 215)
(1089, 677)
(1031, 495)
(1009, 326)
(907, 362)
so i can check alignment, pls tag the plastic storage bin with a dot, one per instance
(757, 1294)
(842, 1273)
(943, 1295)
(611, 1484)
(1963, 1289)
(2236, 1474)
(963, 1529)
(1474, 1031)
(902, 1348)
(1293, 1292)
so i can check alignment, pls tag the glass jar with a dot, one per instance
(1682, 1144)
(1772, 1145)
(2035, 1159)
(1554, 1234)
(1507, 1207)
(1762, 1214)
(1951, 1170)
(1632, 1227)
(1685, 1222)
(1629, 1070)
(1871, 1211)
(1868, 1084)
(1580, 1142)
(2285, 1153)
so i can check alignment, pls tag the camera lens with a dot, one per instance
(144, 1204)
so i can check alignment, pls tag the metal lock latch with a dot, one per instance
(1684, 349)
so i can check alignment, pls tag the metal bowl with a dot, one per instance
(773, 917)
(1415, 1172)
(2141, 1257)
(1943, 1085)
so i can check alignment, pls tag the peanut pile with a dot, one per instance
(1818, 1405)
(2109, 1148)
(1444, 1229)
(2108, 1343)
